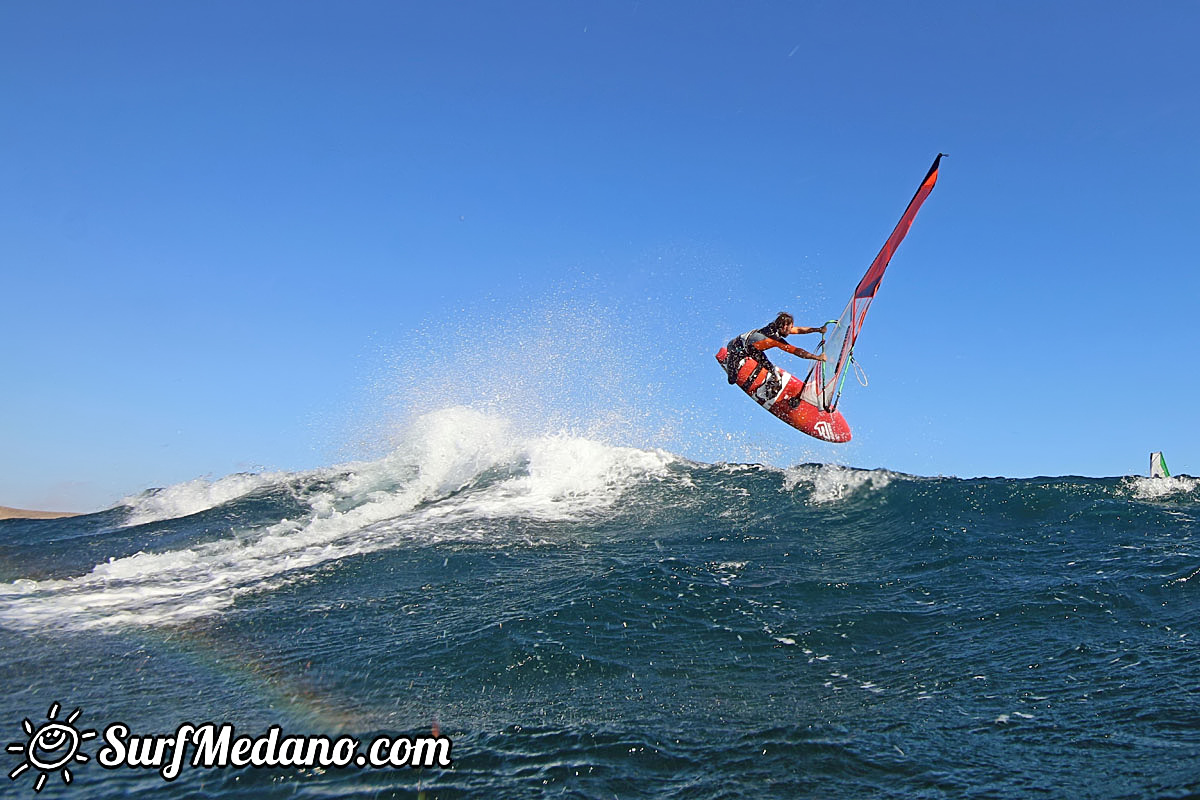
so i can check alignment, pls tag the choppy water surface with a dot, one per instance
(592, 621)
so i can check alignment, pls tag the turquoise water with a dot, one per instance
(590, 621)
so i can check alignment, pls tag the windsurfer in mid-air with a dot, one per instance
(754, 344)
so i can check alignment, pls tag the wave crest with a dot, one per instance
(829, 483)
(454, 466)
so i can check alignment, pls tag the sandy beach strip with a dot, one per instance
(24, 513)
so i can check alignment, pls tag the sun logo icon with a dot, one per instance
(53, 746)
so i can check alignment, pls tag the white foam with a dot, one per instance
(372, 506)
(194, 496)
(829, 483)
(554, 477)
(1155, 488)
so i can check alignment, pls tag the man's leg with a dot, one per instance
(771, 386)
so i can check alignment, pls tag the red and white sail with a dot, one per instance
(823, 386)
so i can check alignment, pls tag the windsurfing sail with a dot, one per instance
(1158, 466)
(823, 386)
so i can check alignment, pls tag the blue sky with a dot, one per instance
(224, 224)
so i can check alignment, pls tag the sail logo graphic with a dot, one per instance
(50, 747)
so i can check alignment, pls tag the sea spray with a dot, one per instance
(564, 361)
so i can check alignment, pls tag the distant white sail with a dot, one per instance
(1158, 466)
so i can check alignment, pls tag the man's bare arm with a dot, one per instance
(767, 344)
(796, 351)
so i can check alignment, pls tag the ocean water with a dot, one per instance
(589, 621)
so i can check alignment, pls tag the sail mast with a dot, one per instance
(822, 387)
